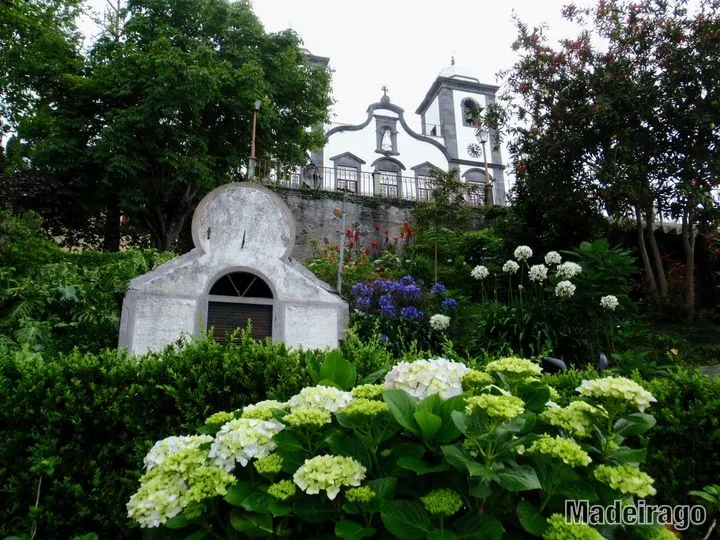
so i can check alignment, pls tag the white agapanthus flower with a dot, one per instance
(325, 398)
(243, 439)
(564, 289)
(510, 267)
(171, 445)
(439, 322)
(619, 389)
(538, 272)
(609, 302)
(328, 473)
(423, 378)
(552, 257)
(523, 253)
(480, 272)
(568, 270)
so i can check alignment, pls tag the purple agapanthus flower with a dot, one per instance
(360, 289)
(449, 304)
(387, 306)
(407, 280)
(438, 288)
(410, 292)
(363, 303)
(411, 313)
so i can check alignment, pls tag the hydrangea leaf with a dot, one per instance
(338, 370)
(449, 431)
(406, 519)
(351, 530)
(429, 423)
(402, 407)
(178, 522)
(531, 520)
(518, 478)
(418, 466)
(634, 424)
(237, 494)
(253, 525)
(314, 509)
(628, 455)
(437, 534)
(535, 395)
(472, 526)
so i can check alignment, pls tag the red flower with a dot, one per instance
(377, 228)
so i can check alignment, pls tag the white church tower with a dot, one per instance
(446, 115)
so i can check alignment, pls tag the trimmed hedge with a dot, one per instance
(84, 422)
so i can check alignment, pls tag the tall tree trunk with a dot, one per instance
(688, 241)
(659, 268)
(111, 229)
(649, 276)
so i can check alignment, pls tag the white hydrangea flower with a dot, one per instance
(423, 378)
(552, 257)
(510, 267)
(538, 272)
(618, 388)
(328, 473)
(243, 439)
(568, 270)
(157, 500)
(564, 289)
(171, 445)
(480, 272)
(439, 322)
(325, 398)
(262, 410)
(523, 253)
(609, 302)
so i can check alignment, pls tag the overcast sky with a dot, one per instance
(403, 43)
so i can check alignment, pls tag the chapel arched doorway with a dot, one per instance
(235, 299)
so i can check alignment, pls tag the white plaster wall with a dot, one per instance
(465, 134)
(432, 115)
(154, 329)
(311, 327)
(363, 143)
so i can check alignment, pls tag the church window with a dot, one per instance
(424, 188)
(471, 111)
(236, 299)
(347, 178)
(388, 183)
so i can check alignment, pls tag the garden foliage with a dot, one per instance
(438, 451)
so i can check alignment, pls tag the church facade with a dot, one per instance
(384, 156)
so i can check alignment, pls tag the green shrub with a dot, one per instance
(83, 422)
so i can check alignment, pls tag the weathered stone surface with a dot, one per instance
(237, 227)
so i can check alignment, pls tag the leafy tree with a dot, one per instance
(620, 120)
(160, 113)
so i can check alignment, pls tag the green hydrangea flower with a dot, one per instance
(475, 380)
(560, 529)
(219, 418)
(271, 464)
(365, 408)
(627, 479)
(442, 502)
(503, 407)
(554, 394)
(619, 389)
(282, 490)
(360, 495)
(307, 418)
(561, 448)
(328, 473)
(183, 478)
(576, 419)
(368, 391)
(515, 367)
(263, 409)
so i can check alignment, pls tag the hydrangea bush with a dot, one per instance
(437, 450)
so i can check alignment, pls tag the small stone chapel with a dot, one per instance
(240, 270)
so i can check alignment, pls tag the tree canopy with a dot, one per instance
(157, 112)
(620, 120)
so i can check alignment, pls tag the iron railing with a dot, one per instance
(383, 184)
